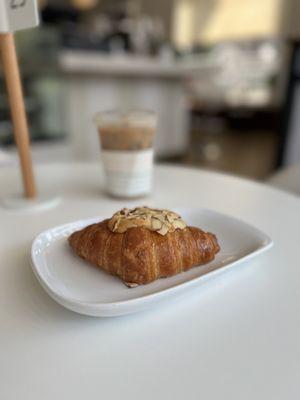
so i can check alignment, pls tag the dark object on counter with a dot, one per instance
(54, 15)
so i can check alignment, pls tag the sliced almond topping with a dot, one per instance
(161, 221)
(179, 224)
(155, 224)
(164, 230)
(131, 285)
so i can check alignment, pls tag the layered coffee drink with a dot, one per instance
(127, 151)
(125, 137)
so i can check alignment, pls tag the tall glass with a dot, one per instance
(127, 151)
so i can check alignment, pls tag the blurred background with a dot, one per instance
(223, 76)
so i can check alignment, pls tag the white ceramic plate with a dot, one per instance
(85, 289)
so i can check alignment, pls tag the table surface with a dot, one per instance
(236, 337)
(287, 179)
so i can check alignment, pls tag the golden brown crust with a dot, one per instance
(140, 256)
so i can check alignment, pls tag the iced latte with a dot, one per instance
(127, 151)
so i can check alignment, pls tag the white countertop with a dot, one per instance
(237, 337)
(90, 62)
(86, 62)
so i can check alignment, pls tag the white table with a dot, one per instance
(237, 337)
(288, 179)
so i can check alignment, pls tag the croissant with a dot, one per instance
(142, 249)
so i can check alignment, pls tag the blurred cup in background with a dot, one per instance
(127, 151)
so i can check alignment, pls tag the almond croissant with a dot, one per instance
(140, 254)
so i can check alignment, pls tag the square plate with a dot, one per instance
(80, 287)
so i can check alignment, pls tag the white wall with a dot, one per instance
(210, 21)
